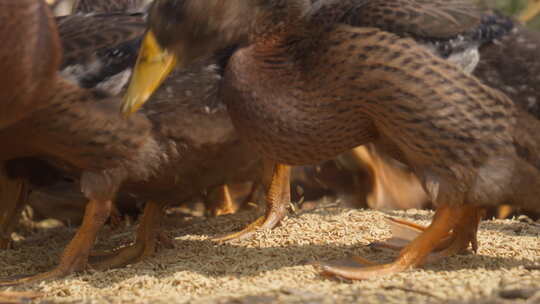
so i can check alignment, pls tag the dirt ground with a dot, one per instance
(276, 266)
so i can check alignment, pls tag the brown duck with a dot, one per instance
(23, 81)
(508, 63)
(73, 130)
(199, 148)
(207, 149)
(306, 85)
(114, 36)
(457, 42)
(100, 62)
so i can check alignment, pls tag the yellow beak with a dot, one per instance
(153, 66)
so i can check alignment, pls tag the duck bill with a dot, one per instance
(153, 66)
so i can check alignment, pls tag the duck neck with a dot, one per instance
(277, 21)
(281, 28)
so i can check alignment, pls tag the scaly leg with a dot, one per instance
(463, 235)
(447, 218)
(219, 201)
(13, 198)
(75, 256)
(276, 180)
(145, 242)
(404, 232)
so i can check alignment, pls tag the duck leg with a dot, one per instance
(145, 242)
(75, 256)
(219, 201)
(404, 232)
(276, 181)
(448, 218)
(13, 197)
(463, 235)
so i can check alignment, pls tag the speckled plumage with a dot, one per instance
(302, 90)
(100, 49)
(190, 127)
(452, 29)
(190, 122)
(77, 130)
(193, 125)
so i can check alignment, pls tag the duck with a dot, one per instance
(457, 43)
(24, 79)
(65, 129)
(196, 146)
(100, 65)
(305, 85)
(107, 65)
(204, 152)
(506, 61)
(117, 26)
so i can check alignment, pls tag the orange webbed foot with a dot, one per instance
(452, 230)
(277, 179)
(75, 256)
(146, 243)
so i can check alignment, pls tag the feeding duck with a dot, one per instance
(456, 40)
(23, 81)
(509, 63)
(305, 85)
(76, 131)
(198, 147)
(107, 64)
(100, 63)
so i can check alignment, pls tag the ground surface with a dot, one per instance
(275, 266)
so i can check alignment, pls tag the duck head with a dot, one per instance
(181, 32)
